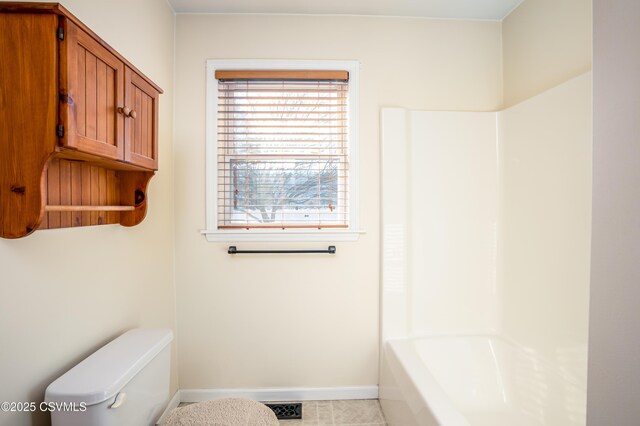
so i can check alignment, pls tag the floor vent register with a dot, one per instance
(292, 410)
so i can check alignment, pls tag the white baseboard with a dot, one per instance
(281, 394)
(173, 403)
(271, 394)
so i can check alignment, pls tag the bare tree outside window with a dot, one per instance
(262, 189)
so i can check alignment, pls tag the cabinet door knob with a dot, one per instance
(125, 111)
(133, 114)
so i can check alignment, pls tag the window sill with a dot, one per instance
(280, 235)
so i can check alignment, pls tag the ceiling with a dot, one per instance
(452, 9)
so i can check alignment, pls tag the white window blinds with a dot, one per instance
(283, 159)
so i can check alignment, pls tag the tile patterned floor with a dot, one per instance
(354, 412)
(351, 412)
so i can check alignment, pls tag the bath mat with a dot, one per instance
(223, 412)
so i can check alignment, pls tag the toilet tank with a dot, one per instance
(126, 382)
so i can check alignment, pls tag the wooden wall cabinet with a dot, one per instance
(78, 125)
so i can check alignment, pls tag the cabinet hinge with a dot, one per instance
(60, 33)
(60, 130)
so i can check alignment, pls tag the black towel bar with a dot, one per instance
(234, 250)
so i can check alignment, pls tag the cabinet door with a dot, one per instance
(141, 123)
(91, 86)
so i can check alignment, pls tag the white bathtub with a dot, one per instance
(476, 381)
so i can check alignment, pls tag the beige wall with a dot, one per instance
(614, 339)
(306, 321)
(64, 293)
(545, 42)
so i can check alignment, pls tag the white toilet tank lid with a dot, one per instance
(105, 372)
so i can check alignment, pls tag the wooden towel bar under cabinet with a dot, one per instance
(78, 125)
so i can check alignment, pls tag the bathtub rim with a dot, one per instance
(431, 397)
(422, 392)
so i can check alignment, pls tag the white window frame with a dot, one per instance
(213, 234)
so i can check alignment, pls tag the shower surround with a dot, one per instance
(486, 239)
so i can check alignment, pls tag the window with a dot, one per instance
(283, 142)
